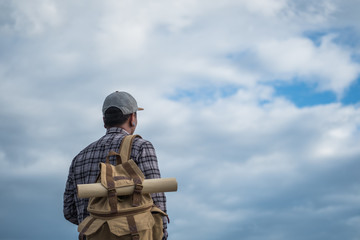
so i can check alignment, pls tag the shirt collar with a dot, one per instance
(116, 130)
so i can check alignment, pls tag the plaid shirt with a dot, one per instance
(85, 169)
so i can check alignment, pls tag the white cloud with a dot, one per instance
(267, 8)
(36, 17)
(251, 156)
(39, 163)
(311, 13)
(329, 65)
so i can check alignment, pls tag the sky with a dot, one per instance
(253, 106)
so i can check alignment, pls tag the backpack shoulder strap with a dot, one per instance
(125, 147)
(125, 152)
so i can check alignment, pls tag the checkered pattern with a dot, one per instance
(85, 169)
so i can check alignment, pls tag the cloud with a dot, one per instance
(329, 64)
(249, 162)
(29, 20)
(266, 162)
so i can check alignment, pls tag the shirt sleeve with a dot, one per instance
(148, 163)
(69, 209)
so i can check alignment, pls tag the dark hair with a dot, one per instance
(114, 116)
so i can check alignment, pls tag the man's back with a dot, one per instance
(85, 169)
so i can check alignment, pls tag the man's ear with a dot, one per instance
(132, 122)
(133, 119)
(104, 122)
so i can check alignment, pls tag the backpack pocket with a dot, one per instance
(158, 228)
(118, 226)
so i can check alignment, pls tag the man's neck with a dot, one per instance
(126, 127)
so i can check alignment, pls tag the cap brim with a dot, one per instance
(140, 109)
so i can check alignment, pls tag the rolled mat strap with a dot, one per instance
(138, 184)
(111, 188)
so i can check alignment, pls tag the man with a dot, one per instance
(120, 119)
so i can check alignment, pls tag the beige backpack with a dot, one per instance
(132, 217)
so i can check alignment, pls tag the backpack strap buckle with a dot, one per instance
(138, 188)
(135, 236)
(137, 192)
(112, 199)
(111, 192)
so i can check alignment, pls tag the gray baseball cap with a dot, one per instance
(121, 100)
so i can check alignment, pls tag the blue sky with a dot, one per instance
(252, 105)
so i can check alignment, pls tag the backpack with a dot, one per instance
(132, 217)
